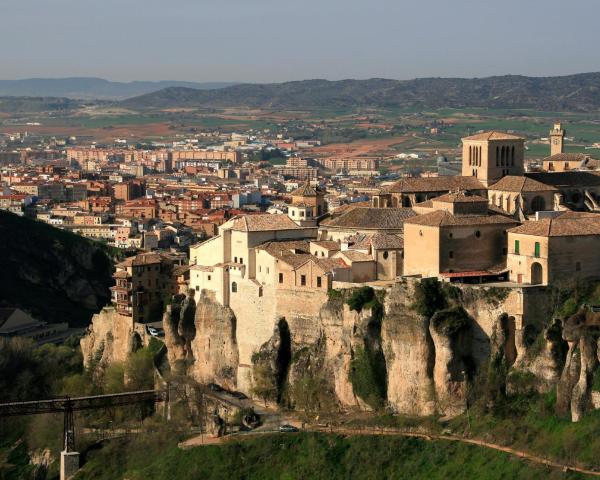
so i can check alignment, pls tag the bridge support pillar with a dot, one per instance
(69, 464)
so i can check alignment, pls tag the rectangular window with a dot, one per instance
(318, 282)
(517, 247)
(197, 288)
(536, 252)
(209, 278)
(241, 260)
(281, 278)
(451, 254)
(303, 280)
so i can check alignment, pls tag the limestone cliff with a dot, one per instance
(417, 348)
(201, 338)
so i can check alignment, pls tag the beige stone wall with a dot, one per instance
(421, 250)
(476, 248)
(390, 268)
(520, 264)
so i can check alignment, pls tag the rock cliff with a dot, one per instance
(418, 348)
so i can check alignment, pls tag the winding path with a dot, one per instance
(197, 441)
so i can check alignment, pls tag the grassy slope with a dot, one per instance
(312, 456)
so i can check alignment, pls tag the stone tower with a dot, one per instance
(489, 156)
(557, 138)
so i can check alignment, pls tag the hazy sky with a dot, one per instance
(277, 40)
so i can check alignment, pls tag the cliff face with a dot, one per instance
(56, 275)
(418, 348)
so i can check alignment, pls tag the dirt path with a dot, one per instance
(198, 441)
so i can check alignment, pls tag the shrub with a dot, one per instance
(368, 381)
(450, 321)
(429, 297)
(360, 297)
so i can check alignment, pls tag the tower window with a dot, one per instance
(303, 280)
(318, 282)
(281, 278)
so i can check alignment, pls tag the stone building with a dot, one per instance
(143, 284)
(554, 250)
(458, 238)
(523, 195)
(364, 220)
(410, 191)
(308, 204)
(221, 263)
(492, 155)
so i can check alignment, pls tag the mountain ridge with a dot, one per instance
(578, 92)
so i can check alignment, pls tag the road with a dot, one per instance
(530, 457)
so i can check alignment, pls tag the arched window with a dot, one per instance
(233, 287)
(497, 156)
(470, 155)
(385, 255)
(503, 156)
(512, 156)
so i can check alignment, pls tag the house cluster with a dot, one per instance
(494, 223)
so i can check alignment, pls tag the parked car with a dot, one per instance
(285, 428)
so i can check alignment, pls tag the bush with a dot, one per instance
(367, 376)
(450, 321)
(429, 297)
(360, 297)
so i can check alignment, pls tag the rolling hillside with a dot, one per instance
(568, 93)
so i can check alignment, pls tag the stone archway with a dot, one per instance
(537, 273)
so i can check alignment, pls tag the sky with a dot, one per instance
(280, 40)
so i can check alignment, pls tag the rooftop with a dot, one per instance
(512, 183)
(261, 223)
(570, 224)
(441, 218)
(371, 218)
(434, 184)
(493, 135)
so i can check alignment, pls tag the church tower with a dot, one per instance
(489, 156)
(557, 138)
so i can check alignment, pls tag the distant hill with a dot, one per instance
(37, 104)
(88, 88)
(579, 92)
(55, 275)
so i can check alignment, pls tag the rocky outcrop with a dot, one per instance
(409, 354)
(451, 334)
(109, 338)
(201, 340)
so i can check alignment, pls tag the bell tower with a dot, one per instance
(557, 138)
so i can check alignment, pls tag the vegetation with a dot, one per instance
(360, 298)
(429, 297)
(450, 321)
(368, 376)
(52, 273)
(306, 455)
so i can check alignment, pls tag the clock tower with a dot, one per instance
(557, 137)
